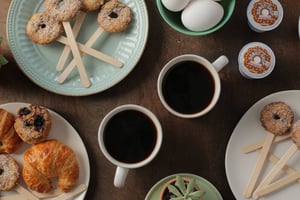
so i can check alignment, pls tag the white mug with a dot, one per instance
(212, 68)
(123, 167)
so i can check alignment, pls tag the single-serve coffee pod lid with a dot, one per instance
(256, 60)
(264, 15)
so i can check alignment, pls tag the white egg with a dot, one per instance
(201, 15)
(175, 5)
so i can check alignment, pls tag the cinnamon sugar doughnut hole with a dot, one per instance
(43, 29)
(9, 172)
(277, 118)
(91, 5)
(62, 10)
(114, 16)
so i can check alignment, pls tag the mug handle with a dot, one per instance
(120, 176)
(221, 62)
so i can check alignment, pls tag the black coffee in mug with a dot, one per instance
(130, 136)
(188, 87)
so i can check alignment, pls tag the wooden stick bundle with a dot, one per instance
(72, 64)
(78, 50)
(25, 193)
(76, 28)
(276, 169)
(56, 194)
(259, 165)
(274, 159)
(259, 144)
(93, 52)
(74, 48)
(277, 185)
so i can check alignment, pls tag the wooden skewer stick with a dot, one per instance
(278, 184)
(12, 197)
(259, 144)
(275, 170)
(259, 165)
(274, 159)
(25, 193)
(93, 52)
(74, 48)
(59, 194)
(72, 65)
(53, 193)
(72, 193)
(65, 53)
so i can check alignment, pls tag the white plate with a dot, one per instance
(239, 166)
(64, 132)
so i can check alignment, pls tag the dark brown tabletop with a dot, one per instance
(189, 145)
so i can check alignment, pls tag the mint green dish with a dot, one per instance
(173, 19)
(211, 192)
(38, 62)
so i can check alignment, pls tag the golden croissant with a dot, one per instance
(48, 160)
(9, 139)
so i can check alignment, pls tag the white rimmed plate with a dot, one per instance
(239, 166)
(38, 62)
(64, 132)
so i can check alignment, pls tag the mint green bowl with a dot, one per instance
(174, 18)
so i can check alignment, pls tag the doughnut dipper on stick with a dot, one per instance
(283, 161)
(276, 118)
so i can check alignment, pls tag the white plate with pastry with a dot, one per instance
(239, 165)
(62, 131)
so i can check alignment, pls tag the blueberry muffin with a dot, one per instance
(33, 124)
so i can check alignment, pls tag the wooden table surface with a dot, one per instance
(189, 145)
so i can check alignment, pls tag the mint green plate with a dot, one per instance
(211, 192)
(39, 62)
(174, 18)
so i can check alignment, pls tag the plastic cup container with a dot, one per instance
(256, 60)
(264, 15)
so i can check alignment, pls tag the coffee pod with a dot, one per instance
(256, 60)
(264, 15)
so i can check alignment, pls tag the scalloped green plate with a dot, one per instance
(38, 62)
(211, 191)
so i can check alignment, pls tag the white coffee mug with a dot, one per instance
(123, 167)
(212, 68)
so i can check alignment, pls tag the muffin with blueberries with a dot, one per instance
(33, 124)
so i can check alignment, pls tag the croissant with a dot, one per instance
(48, 160)
(9, 139)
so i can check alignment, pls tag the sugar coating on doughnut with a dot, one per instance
(62, 10)
(9, 172)
(43, 29)
(277, 118)
(114, 16)
(296, 133)
(91, 5)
